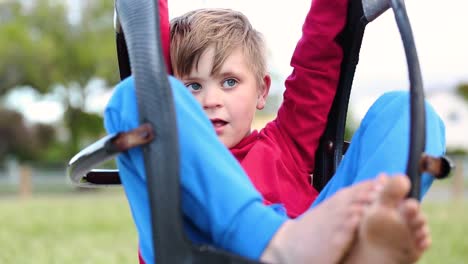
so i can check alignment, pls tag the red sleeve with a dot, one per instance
(311, 87)
(164, 25)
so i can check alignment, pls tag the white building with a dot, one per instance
(451, 107)
(454, 112)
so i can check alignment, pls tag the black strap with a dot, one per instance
(330, 150)
(122, 56)
(331, 144)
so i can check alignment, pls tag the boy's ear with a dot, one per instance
(263, 93)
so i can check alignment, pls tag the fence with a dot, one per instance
(23, 180)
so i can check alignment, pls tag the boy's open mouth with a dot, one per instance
(218, 125)
(218, 122)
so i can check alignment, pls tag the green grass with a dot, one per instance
(97, 228)
(67, 229)
(449, 226)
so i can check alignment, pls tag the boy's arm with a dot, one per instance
(164, 26)
(311, 87)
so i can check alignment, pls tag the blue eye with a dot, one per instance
(193, 86)
(229, 83)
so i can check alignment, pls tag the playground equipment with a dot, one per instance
(137, 34)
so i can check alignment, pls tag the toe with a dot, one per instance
(394, 191)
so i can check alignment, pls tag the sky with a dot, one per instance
(440, 29)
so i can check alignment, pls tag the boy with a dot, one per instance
(221, 207)
(220, 58)
(140, 212)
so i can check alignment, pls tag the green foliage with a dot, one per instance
(456, 152)
(462, 89)
(28, 51)
(40, 47)
(84, 128)
(26, 142)
(14, 136)
(55, 153)
(350, 126)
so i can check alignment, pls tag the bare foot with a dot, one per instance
(393, 230)
(325, 233)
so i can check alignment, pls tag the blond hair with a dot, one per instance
(225, 30)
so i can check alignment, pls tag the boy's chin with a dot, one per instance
(228, 142)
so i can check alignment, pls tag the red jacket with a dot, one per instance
(280, 158)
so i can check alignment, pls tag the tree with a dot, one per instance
(462, 89)
(25, 142)
(40, 47)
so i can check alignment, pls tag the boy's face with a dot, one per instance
(229, 98)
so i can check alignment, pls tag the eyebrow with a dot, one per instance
(222, 74)
(228, 73)
(189, 78)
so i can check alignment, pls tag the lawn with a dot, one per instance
(97, 228)
(81, 228)
(449, 227)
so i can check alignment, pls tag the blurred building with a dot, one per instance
(451, 107)
(454, 111)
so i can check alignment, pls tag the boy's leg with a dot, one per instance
(381, 144)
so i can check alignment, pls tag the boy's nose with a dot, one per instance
(212, 98)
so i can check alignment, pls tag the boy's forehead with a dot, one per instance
(205, 62)
(231, 61)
